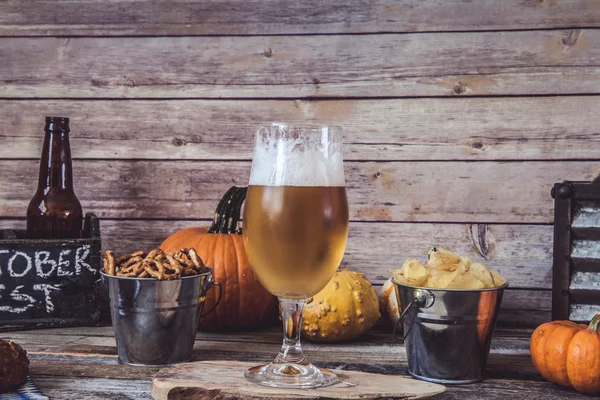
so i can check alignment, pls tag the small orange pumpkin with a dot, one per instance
(244, 303)
(568, 354)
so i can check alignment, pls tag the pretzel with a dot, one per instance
(196, 260)
(109, 263)
(155, 264)
(153, 273)
(127, 265)
(125, 257)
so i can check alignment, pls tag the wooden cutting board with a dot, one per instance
(224, 380)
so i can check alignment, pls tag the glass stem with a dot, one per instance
(291, 316)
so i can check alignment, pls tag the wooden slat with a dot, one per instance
(519, 62)
(538, 300)
(504, 384)
(264, 334)
(408, 129)
(522, 253)
(378, 191)
(586, 233)
(585, 264)
(499, 366)
(377, 346)
(77, 368)
(584, 296)
(510, 389)
(68, 388)
(122, 17)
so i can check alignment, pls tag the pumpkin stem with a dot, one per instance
(595, 323)
(227, 214)
(216, 219)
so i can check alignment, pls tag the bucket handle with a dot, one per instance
(421, 298)
(101, 289)
(207, 285)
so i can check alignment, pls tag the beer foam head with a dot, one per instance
(297, 155)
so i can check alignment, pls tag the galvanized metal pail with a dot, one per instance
(155, 322)
(447, 333)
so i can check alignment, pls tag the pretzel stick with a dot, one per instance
(155, 264)
(110, 262)
(126, 274)
(171, 259)
(126, 257)
(153, 253)
(153, 273)
(172, 276)
(127, 264)
(159, 266)
(195, 259)
(138, 268)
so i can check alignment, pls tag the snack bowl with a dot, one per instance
(447, 332)
(155, 321)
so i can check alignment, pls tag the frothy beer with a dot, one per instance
(296, 212)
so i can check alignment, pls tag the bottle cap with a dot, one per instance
(57, 124)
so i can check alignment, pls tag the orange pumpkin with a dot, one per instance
(568, 354)
(244, 303)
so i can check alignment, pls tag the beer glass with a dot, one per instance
(295, 229)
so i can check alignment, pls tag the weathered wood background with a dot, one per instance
(458, 116)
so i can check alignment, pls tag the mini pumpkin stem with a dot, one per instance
(595, 323)
(227, 214)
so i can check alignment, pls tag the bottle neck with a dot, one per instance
(56, 170)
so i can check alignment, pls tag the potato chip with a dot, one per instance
(467, 282)
(499, 280)
(466, 261)
(447, 270)
(443, 259)
(415, 272)
(401, 279)
(482, 273)
(446, 278)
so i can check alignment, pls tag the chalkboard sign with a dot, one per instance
(576, 264)
(48, 283)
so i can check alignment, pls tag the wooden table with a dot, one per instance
(81, 363)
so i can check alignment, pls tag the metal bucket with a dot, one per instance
(447, 333)
(155, 322)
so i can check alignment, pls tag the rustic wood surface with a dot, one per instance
(374, 248)
(81, 362)
(235, 17)
(534, 128)
(490, 192)
(419, 64)
(522, 253)
(225, 379)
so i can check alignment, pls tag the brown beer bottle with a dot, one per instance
(54, 211)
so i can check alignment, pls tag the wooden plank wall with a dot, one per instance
(458, 116)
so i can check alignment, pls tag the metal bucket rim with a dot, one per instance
(129, 278)
(452, 290)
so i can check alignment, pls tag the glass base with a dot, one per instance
(291, 375)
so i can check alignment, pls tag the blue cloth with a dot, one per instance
(26, 392)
